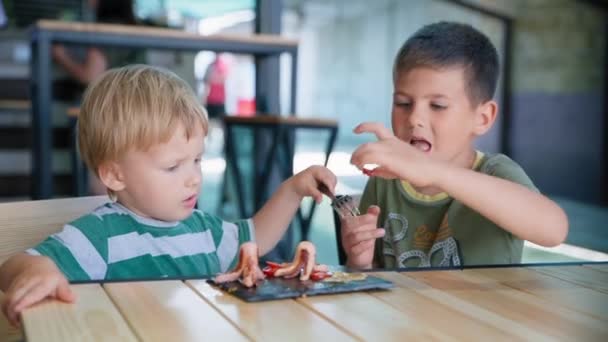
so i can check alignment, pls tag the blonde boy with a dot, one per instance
(142, 130)
(438, 201)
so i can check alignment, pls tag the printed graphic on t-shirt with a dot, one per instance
(423, 243)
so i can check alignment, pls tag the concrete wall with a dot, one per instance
(558, 99)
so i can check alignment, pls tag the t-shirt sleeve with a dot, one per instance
(74, 250)
(228, 237)
(504, 167)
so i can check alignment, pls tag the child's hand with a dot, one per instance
(31, 286)
(359, 234)
(306, 183)
(394, 157)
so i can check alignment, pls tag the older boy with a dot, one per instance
(438, 200)
(142, 130)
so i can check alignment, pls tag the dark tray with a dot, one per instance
(280, 288)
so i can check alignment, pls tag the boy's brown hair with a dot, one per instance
(134, 107)
(450, 44)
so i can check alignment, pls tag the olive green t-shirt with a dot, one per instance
(425, 231)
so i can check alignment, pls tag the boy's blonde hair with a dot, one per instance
(134, 107)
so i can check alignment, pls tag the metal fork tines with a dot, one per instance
(344, 206)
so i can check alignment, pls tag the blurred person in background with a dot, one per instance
(79, 66)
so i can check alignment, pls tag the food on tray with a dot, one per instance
(345, 277)
(303, 265)
(247, 271)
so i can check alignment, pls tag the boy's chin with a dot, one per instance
(182, 215)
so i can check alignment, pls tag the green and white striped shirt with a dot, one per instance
(113, 242)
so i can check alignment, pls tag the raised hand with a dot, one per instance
(394, 157)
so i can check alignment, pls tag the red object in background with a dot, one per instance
(245, 107)
(215, 78)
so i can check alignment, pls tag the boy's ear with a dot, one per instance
(485, 115)
(111, 176)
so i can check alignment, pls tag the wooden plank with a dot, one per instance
(370, 318)
(455, 321)
(282, 320)
(480, 314)
(583, 276)
(170, 311)
(279, 120)
(555, 290)
(537, 314)
(92, 318)
(144, 31)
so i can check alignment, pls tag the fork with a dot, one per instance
(342, 204)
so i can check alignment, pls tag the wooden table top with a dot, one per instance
(261, 120)
(532, 303)
(144, 31)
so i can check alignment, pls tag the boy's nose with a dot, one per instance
(416, 119)
(194, 178)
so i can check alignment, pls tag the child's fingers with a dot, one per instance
(327, 178)
(373, 210)
(353, 223)
(12, 317)
(19, 290)
(316, 194)
(64, 292)
(10, 314)
(37, 294)
(376, 128)
(330, 185)
(362, 247)
(5, 310)
(16, 293)
(382, 172)
(366, 235)
(363, 155)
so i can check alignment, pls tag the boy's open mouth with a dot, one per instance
(421, 144)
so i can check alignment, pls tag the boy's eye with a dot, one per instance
(402, 104)
(438, 106)
(197, 160)
(172, 168)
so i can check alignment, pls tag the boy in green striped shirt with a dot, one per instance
(142, 130)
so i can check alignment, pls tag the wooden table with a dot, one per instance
(533, 303)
